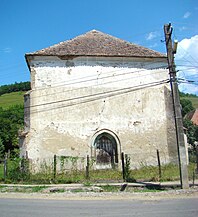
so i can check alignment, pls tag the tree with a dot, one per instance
(186, 106)
(191, 132)
(11, 120)
(22, 86)
(191, 129)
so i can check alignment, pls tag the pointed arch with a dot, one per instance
(107, 147)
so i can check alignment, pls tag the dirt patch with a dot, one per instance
(90, 195)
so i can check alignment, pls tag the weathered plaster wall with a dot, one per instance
(73, 99)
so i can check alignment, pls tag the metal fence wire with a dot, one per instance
(66, 169)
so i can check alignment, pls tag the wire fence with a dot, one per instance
(68, 169)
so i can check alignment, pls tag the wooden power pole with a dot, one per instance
(182, 156)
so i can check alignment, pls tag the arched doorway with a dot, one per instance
(106, 150)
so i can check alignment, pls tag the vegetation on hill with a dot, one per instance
(187, 106)
(11, 116)
(191, 97)
(11, 120)
(16, 87)
(10, 99)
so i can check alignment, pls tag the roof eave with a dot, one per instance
(83, 55)
(27, 61)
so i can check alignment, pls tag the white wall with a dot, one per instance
(73, 99)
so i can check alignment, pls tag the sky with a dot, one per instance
(27, 26)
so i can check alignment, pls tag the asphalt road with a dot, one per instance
(80, 208)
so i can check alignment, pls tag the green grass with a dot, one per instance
(99, 175)
(194, 100)
(110, 188)
(170, 172)
(10, 99)
(38, 188)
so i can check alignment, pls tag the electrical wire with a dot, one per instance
(96, 96)
(80, 82)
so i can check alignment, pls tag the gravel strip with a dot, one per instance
(170, 194)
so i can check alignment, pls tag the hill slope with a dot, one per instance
(193, 99)
(10, 99)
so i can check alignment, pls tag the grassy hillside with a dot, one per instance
(193, 99)
(10, 99)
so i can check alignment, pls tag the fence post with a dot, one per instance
(87, 168)
(127, 167)
(159, 165)
(22, 167)
(54, 167)
(123, 166)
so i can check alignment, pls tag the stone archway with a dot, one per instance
(105, 144)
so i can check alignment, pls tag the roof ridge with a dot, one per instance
(97, 43)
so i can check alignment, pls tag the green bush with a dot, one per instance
(18, 170)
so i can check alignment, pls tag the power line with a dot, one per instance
(180, 80)
(188, 66)
(73, 89)
(96, 96)
(194, 60)
(63, 83)
(90, 76)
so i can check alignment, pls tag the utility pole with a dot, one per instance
(182, 156)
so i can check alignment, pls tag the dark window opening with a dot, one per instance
(106, 149)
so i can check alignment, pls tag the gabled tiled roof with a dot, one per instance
(96, 43)
(193, 116)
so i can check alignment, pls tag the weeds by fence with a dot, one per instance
(66, 169)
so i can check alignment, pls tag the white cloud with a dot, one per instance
(151, 35)
(188, 49)
(7, 50)
(187, 63)
(186, 15)
(188, 88)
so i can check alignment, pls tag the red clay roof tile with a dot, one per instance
(96, 43)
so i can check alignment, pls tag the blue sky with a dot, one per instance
(27, 26)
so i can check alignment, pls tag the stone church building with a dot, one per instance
(98, 95)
